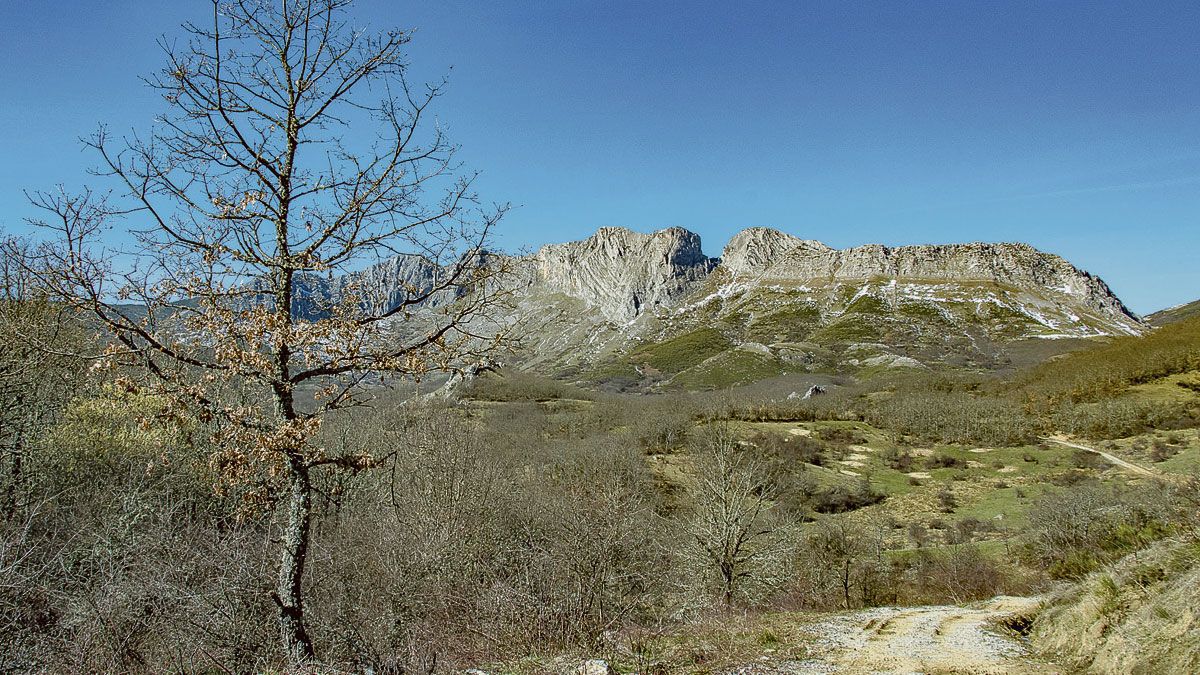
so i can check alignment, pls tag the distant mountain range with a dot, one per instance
(653, 309)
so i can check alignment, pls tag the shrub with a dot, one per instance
(516, 385)
(1075, 530)
(952, 417)
(790, 451)
(841, 498)
(899, 459)
(663, 425)
(944, 460)
(1161, 453)
(1082, 459)
(946, 500)
(959, 573)
(842, 436)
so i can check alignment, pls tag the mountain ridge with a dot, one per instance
(768, 254)
(655, 309)
(1169, 315)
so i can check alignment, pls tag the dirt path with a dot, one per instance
(945, 639)
(941, 639)
(1113, 459)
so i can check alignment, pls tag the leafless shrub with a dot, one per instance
(1075, 529)
(842, 563)
(957, 573)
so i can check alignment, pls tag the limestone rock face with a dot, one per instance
(788, 300)
(399, 280)
(622, 273)
(779, 257)
(756, 249)
(617, 287)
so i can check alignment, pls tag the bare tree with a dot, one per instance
(247, 194)
(37, 373)
(845, 554)
(732, 498)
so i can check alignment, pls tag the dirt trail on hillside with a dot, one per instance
(1112, 459)
(940, 639)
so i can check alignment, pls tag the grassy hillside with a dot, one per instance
(1108, 370)
(982, 327)
(1120, 388)
(683, 351)
(1175, 314)
(1137, 616)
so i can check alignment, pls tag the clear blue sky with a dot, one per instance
(1073, 126)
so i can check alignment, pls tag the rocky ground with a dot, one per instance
(941, 639)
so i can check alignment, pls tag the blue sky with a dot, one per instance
(1073, 126)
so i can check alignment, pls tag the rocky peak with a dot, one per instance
(755, 249)
(378, 288)
(769, 255)
(625, 273)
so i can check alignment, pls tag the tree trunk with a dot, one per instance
(727, 576)
(846, 583)
(15, 476)
(289, 594)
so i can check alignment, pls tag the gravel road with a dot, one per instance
(941, 639)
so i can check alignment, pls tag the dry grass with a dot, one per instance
(1137, 616)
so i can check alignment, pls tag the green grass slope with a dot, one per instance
(682, 351)
(1112, 368)
(1174, 314)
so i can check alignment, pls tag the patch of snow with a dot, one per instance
(866, 289)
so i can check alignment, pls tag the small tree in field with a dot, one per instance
(258, 183)
(732, 498)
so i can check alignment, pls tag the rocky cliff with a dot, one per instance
(755, 250)
(622, 273)
(391, 283)
(768, 255)
(624, 302)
